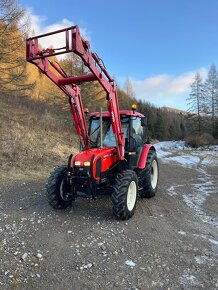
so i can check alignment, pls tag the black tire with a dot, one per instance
(124, 194)
(54, 186)
(148, 182)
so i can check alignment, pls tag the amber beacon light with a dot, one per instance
(134, 107)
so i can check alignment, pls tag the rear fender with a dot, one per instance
(144, 154)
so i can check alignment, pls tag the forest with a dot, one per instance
(20, 79)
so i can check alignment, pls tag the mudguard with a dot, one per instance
(143, 157)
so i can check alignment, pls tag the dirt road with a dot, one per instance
(170, 243)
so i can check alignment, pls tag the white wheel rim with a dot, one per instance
(131, 195)
(154, 174)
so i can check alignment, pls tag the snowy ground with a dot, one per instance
(178, 152)
(196, 195)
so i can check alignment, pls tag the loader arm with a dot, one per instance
(75, 43)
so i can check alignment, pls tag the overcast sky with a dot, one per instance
(158, 44)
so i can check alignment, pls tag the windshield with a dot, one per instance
(108, 136)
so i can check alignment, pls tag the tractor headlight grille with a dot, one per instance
(82, 171)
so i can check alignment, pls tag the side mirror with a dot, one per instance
(144, 121)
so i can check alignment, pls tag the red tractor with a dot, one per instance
(116, 155)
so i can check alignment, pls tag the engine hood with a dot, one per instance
(105, 157)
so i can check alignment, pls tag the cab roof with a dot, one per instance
(122, 112)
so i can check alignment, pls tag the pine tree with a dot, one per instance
(160, 126)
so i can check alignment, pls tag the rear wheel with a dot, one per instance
(148, 177)
(125, 194)
(58, 191)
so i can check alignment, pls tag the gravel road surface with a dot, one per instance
(170, 243)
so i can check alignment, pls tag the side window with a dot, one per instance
(94, 130)
(94, 125)
(137, 128)
(137, 133)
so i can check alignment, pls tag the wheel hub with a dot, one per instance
(154, 174)
(131, 195)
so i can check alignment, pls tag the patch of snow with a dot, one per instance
(130, 263)
(209, 160)
(214, 147)
(172, 190)
(186, 156)
(178, 145)
(182, 233)
(201, 191)
(185, 160)
(189, 279)
(208, 238)
(214, 242)
(201, 259)
(161, 153)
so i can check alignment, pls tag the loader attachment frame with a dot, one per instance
(75, 43)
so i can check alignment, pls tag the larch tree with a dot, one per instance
(13, 75)
(128, 88)
(195, 101)
(211, 97)
(93, 95)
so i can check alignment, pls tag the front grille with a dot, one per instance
(82, 171)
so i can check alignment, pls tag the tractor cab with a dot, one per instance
(134, 130)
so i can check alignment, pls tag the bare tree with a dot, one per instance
(10, 12)
(211, 96)
(129, 89)
(195, 101)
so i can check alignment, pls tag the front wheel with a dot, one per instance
(124, 194)
(58, 191)
(148, 177)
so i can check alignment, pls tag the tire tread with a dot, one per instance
(119, 194)
(53, 188)
(144, 176)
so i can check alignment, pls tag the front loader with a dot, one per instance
(116, 156)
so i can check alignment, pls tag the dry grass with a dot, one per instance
(35, 137)
(203, 140)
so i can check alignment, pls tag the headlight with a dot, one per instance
(86, 163)
(77, 163)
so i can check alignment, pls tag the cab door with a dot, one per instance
(136, 141)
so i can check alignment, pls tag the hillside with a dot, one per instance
(35, 136)
(174, 110)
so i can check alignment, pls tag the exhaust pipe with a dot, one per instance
(101, 140)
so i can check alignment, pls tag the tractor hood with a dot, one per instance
(99, 160)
